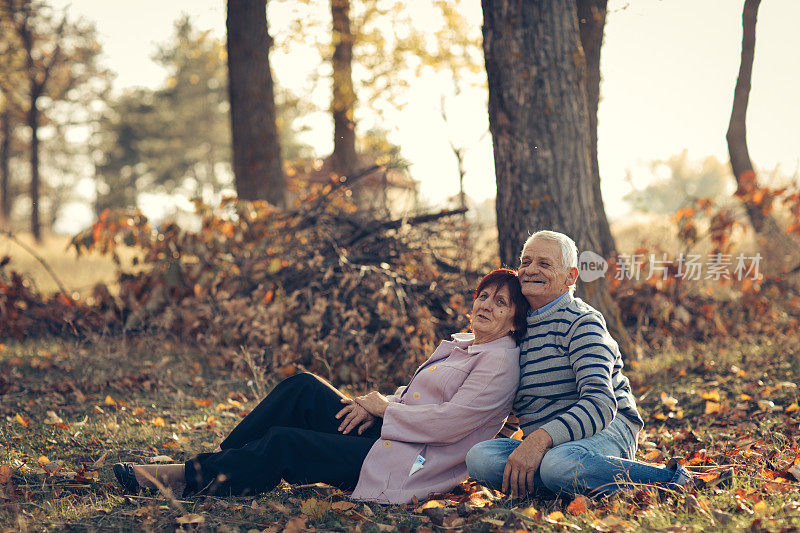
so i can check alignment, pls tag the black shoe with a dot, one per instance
(126, 477)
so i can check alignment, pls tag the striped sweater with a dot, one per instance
(571, 382)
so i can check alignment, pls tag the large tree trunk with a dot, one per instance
(780, 246)
(257, 163)
(343, 99)
(540, 133)
(5, 155)
(33, 124)
(591, 23)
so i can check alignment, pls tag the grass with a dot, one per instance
(139, 399)
(78, 274)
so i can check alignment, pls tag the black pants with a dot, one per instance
(292, 434)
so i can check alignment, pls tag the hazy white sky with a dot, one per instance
(668, 66)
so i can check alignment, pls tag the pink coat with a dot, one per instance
(459, 397)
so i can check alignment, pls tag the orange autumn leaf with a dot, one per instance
(5, 474)
(158, 422)
(712, 396)
(203, 403)
(713, 408)
(578, 506)
(531, 512)
(710, 476)
(43, 460)
(555, 516)
(110, 401)
(23, 420)
(792, 408)
(652, 455)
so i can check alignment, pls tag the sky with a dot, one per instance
(669, 68)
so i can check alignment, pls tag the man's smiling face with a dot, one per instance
(542, 274)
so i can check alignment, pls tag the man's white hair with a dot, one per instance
(569, 252)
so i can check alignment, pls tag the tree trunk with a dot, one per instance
(780, 246)
(257, 163)
(344, 99)
(5, 155)
(540, 133)
(591, 22)
(33, 124)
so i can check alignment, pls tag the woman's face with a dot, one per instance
(492, 314)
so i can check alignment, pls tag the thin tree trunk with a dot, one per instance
(591, 23)
(343, 100)
(783, 247)
(5, 155)
(257, 163)
(540, 133)
(33, 124)
(737, 129)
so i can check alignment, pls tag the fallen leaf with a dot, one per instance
(610, 523)
(342, 505)
(713, 408)
(158, 422)
(792, 408)
(760, 508)
(713, 395)
(100, 462)
(278, 506)
(110, 401)
(203, 403)
(530, 512)
(721, 516)
(5, 474)
(43, 460)
(555, 516)
(295, 525)
(190, 518)
(53, 419)
(23, 420)
(578, 506)
(315, 508)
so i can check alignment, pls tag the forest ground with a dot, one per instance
(69, 411)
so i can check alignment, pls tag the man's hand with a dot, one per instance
(374, 402)
(355, 416)
(523, 463)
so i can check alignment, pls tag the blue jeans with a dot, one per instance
(600, 464)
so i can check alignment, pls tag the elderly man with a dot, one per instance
(575, 406)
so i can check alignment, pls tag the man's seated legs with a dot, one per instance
(598, 465)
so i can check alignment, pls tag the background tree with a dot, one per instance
(176, 139)
(60, 59)
(684, 181)
(591, 23)
(782, 246)
(540, 133)
(257, 164)
(343, 99)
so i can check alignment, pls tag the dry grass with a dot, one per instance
(78, 274)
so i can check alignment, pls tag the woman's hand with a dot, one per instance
(355, 416)
(374, 402)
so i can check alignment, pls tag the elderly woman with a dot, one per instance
(387, 449)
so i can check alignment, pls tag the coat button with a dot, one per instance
(387, 444)
(432, 368)
(416, 396)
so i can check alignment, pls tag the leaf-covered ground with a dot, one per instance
(68, 411)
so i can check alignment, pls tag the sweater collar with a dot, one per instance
(559, 303)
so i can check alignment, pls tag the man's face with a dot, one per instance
(541, 273)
